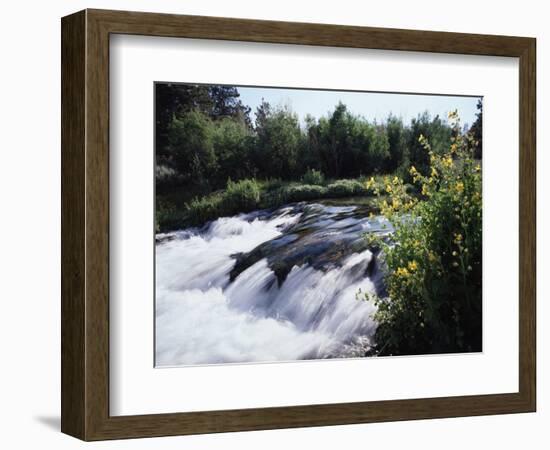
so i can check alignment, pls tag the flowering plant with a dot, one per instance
(433, 262)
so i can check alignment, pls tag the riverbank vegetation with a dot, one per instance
(434, 259)
(213, 159)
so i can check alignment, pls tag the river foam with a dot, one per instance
(204, 318)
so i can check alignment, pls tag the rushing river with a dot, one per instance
(267, 286)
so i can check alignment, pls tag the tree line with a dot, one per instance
(205, 135)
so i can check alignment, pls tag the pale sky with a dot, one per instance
(370, 105)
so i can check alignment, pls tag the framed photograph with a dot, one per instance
(272, 225)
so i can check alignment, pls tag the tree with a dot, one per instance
(310, 152)
(226, 103)
(262, 113)
(349, 145)
(278, 142)
(337, 138)
(436, 131)
(174, 100)
(233, 143)
(190, 144)
(397, 142)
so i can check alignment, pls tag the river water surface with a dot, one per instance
(267, 286)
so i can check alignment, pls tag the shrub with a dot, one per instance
(433, 275)
(346, 188)
(274, 198)
(304, 192)
(201, 210)
(242, 195)
(314, 177)
(166, 175)
(272, 184)
(167, 217)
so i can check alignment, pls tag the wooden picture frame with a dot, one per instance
(85, 224)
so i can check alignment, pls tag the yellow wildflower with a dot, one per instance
(459, 187)
(402, 272)
(452, 115)
(447, 162)
(413, 266)
(370, 183)
(395, 180)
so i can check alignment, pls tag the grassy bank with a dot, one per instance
(173, 212)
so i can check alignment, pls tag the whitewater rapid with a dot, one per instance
(202, 317)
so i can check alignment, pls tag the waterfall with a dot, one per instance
(203, 316)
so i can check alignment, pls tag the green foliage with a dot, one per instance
(313, 176)
(204, 136)
(434, 270)
(190, 139)
(249, 194)
(278, 143)
(346, 188)
(304, 192)
(397, 143)
(232, 141)
(168, 216)
(436, 131)
(166, 175)
(240, 196)
(244, 195)
(203, 209)
(175, 100)
(347, 145)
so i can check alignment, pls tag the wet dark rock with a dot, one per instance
(323, 237)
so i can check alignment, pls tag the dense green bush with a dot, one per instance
(249, 194)
(233, 143)
(304, 192)
(314, 177)
(203, 209)
(168, 217)
(191, 149)
(274, 198)
(438, 133)
(346, 188)
(242, 195)
(278, 142)
(433, 275)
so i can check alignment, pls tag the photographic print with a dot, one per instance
(303, 224)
